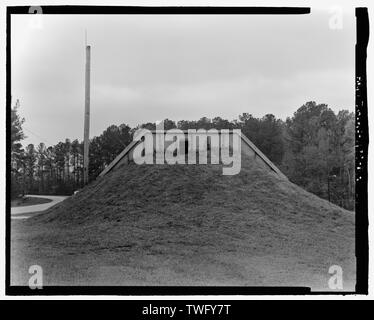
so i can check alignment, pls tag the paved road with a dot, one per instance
(28, 211)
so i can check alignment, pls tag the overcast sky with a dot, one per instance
(150, 67)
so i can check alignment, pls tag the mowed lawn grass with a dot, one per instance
(187, 225)
(28, 201)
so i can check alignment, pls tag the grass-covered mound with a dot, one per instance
(187, 225)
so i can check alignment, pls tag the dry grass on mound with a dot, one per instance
(189, 225)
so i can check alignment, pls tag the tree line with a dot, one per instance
(314, 148)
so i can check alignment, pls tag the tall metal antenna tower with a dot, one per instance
(86, 113)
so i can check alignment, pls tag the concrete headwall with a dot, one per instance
(156, 142)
